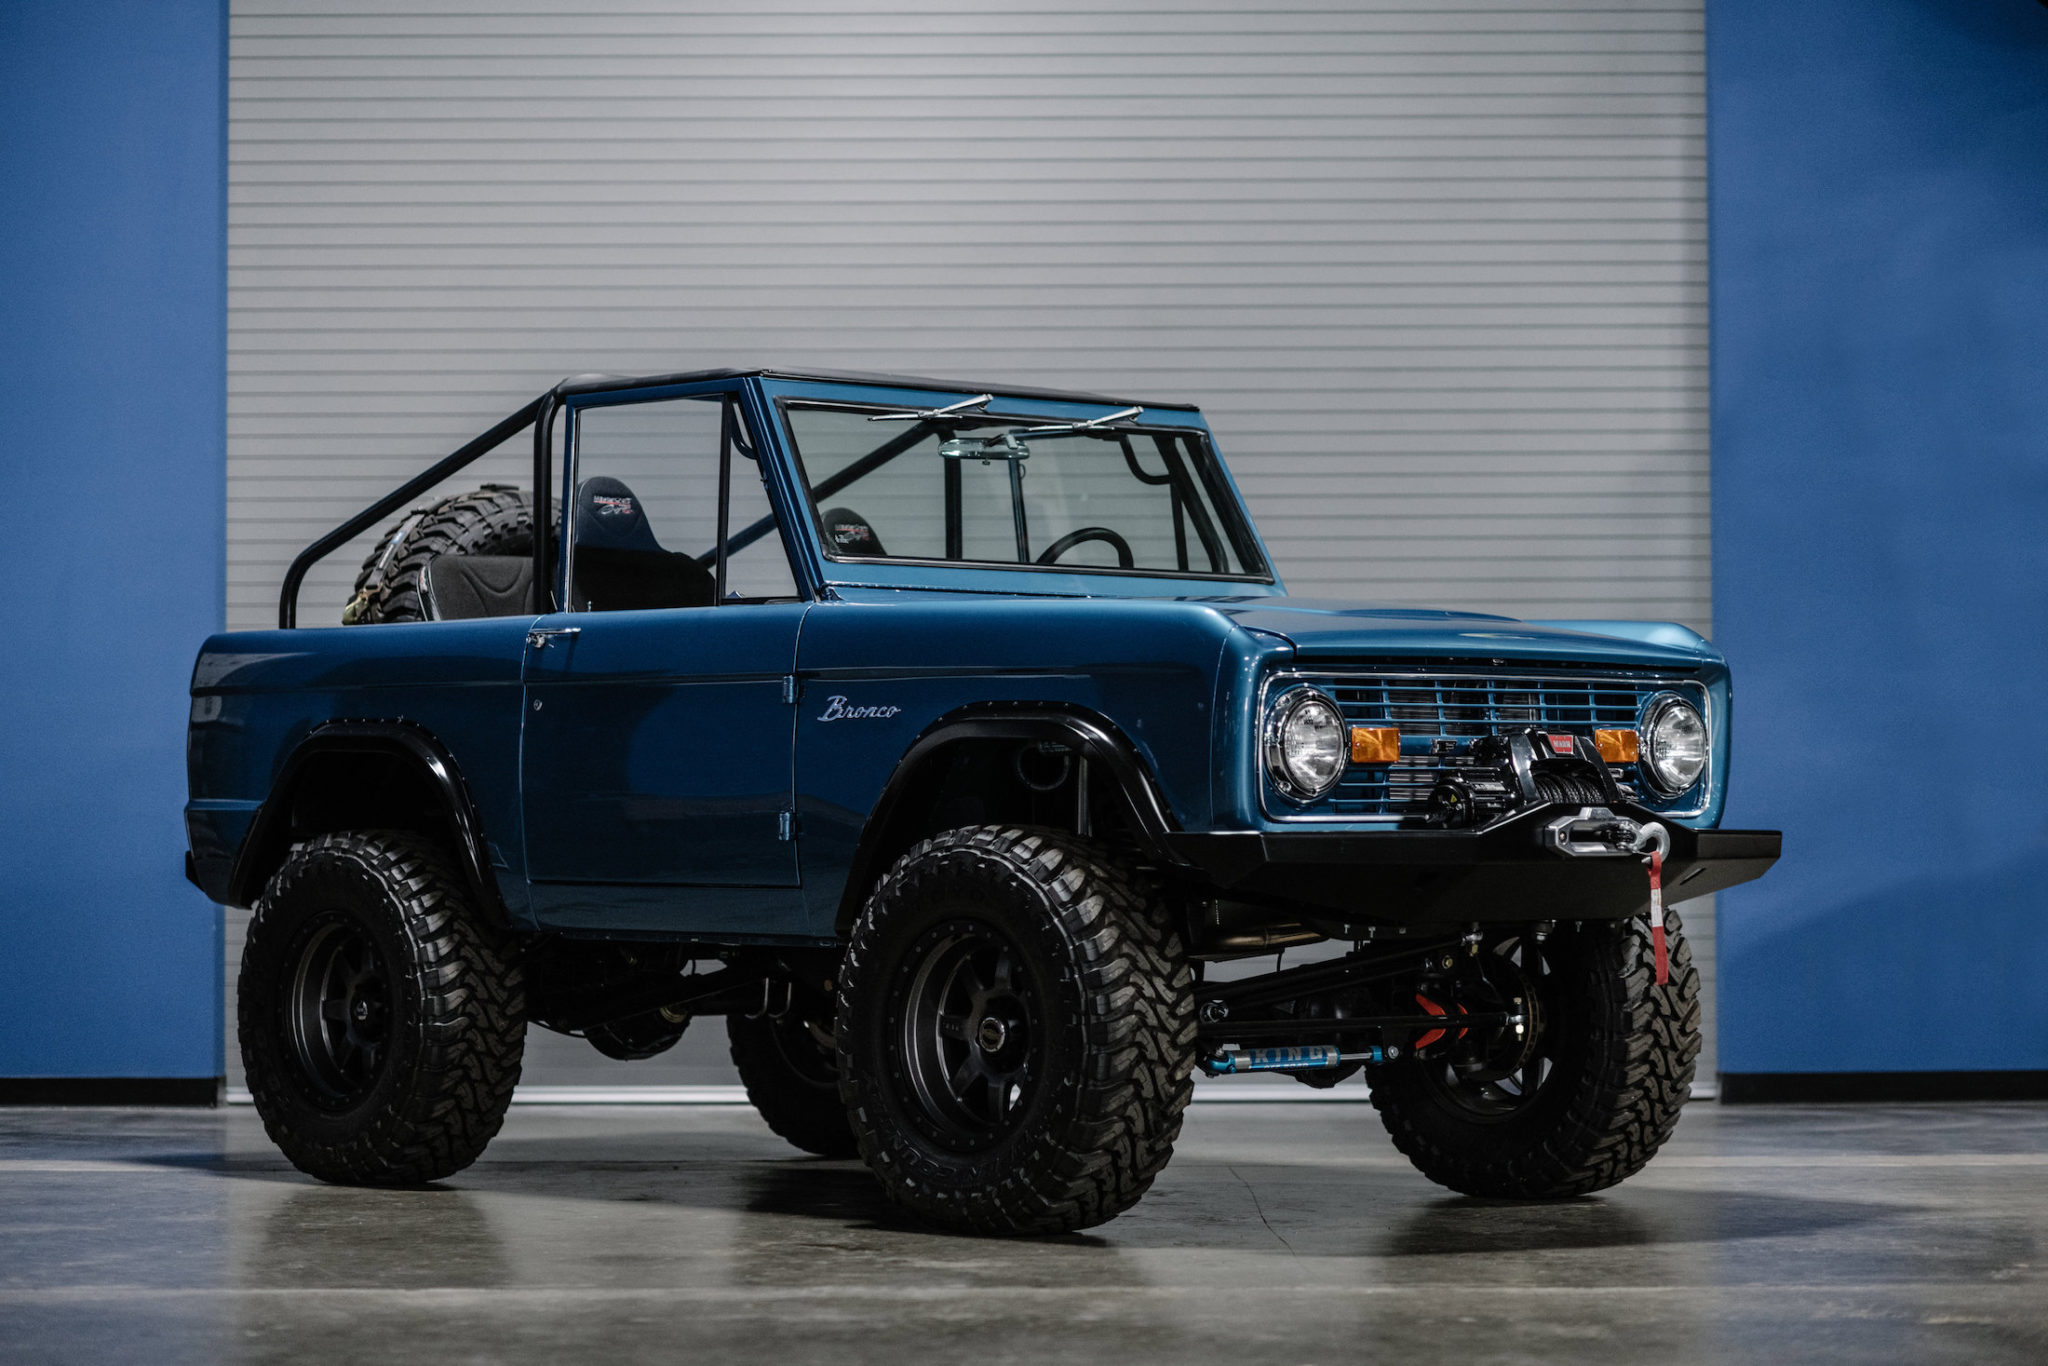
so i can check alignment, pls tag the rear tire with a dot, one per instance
(381, 1022)
(791, 1071)
(1608, 1073)
(1016, 1033)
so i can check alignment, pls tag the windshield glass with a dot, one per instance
(967, 486)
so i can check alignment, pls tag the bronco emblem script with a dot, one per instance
(837, 710)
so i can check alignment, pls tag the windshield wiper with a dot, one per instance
(1008, 445)
(1064, 427)
(960, 409)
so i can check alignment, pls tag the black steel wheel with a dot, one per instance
(787, 1061)
(339, 1011)
(381, 1021)
(973, 1033)
(1491, 1075)
(1016, 1033)
(1579, 1101)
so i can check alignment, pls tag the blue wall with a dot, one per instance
(1879, 199)
(113, 244)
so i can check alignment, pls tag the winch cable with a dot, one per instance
(1654, 838)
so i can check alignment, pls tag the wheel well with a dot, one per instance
(355, 789)
(357, 780)
(1056, 772)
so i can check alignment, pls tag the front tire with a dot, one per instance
(1596, 1095)
(1016, 1033)
(381, 1022)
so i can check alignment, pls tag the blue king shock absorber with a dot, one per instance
(1312, 1057)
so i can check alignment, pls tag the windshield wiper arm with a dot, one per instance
(1102, 421)
(931, 414)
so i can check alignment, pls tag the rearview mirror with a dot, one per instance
(985, 448)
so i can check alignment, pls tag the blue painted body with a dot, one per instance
(711, 771)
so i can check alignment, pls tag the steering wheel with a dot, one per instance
(1075, 537)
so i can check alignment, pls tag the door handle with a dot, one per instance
(539, 637)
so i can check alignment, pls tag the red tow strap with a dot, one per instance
(1657, 916)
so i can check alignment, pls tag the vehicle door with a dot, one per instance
(657, 754)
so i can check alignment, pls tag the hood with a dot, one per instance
(1321, 629)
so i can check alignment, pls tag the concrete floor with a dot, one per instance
(1282, 1233)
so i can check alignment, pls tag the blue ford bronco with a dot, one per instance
(945, 740)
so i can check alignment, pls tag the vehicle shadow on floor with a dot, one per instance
(1303, 1211)
(1434, 1226)
(1313, 1211)
(1458, 1225)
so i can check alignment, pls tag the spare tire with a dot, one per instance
(493, 520)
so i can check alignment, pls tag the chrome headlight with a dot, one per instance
(1306, 744)
(1675, 745)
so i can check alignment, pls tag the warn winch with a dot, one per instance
(1518, 769)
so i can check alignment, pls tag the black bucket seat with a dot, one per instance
(618, 565)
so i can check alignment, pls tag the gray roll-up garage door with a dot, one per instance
(1436, 272)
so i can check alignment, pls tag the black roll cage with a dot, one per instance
(540, 414)
(467, 454)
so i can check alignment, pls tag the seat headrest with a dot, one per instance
(848, 533)
(609, 517)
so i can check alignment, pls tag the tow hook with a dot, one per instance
(1655, 841)
(1593, 832)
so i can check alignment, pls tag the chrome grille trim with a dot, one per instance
(1457, 706)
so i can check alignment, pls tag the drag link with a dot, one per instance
(1232, 1030)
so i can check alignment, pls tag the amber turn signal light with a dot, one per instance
(1616, 746)
(1375, 744)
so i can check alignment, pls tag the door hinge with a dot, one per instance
(789, 690)
(785, 825)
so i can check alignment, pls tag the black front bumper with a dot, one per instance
(1438, 877)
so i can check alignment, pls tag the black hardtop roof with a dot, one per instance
(587, 384)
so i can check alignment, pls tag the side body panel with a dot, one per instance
(657, 771)
(257, 694)
(878, 673)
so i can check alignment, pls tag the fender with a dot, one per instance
(1094, 736)
(264, 849)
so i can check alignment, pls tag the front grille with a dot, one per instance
(1441, 714)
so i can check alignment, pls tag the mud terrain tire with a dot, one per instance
(381, 1022)
(1016, 1033)
(1622, 1051)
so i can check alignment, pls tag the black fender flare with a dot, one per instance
(1094, 736)
(262, 850)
